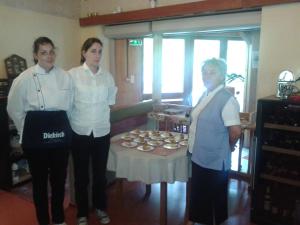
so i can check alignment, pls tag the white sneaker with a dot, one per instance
(82, 221)
(102, 216)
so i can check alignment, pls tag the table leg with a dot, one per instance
(251, 134)
(187, 198)
(163, 203)
(148, 191)
(241, 144)
(120, 190)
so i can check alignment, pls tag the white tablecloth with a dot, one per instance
(135, 165)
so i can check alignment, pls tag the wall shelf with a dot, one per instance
(208, 7)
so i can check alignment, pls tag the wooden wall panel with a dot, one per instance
(208, 7)
(128, 62)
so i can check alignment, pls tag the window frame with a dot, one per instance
(189, 39)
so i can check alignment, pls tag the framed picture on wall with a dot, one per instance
(14, 65)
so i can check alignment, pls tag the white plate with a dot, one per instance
(129, 144)
(156, 138)
(171, 140)
(154, 132)
(127, 138)
(182, 137)
(166, 134)
(155, 143)
(171, 146)
(128, 135)
(183, 143)
(145, 148)
(139, 140)
(144, 134)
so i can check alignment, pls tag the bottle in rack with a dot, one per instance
(267, 201)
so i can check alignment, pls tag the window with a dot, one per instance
(174, 72)
(173, 65)
(173, 59)
(237, 63)
(203, 49)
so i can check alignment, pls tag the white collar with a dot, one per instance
(86, 68)
(213, 92)
(41, 71)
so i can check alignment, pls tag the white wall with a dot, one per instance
(19, 28)
(279, 45)
(66, 8)
(97, 31)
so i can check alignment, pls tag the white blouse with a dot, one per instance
(35, 89)
(92, 96)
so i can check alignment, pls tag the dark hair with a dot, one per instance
(40, 41)
(87, 44)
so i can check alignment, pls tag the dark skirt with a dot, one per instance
(208, 201)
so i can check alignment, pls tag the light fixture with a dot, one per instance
(153, 3)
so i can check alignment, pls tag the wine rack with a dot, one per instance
(276, 189)
(14, 168)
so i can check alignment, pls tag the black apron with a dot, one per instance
(46, 129)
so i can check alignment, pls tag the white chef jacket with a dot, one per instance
(230, 113)
(92, 96)
(34, 90)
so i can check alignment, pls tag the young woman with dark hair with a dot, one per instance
(38, 102)
(94, 92)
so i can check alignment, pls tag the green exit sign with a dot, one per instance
(135, 42)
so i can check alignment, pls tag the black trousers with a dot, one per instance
(208, 200)
(44, 164)
(86, 150)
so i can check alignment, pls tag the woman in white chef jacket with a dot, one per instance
(37, 103)
(94, 92)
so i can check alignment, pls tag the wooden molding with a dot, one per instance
(208, 7)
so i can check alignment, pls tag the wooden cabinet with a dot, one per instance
(276, 191)
(13, 166)
(4, 150)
